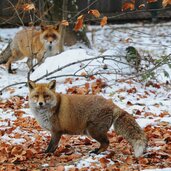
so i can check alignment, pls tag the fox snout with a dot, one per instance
(40, 104)
(50, 44)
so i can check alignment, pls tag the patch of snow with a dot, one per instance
(165, 169)
(111, 40)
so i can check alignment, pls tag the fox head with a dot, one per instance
(42, 95)
(50, 36)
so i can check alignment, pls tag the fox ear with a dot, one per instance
(31, 84)
(56, 27)
(43, 27)
(52, 85)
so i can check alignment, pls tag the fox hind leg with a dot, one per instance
(15, 56)
(101, 137)
(8, 65)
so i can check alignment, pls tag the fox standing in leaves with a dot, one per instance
(31, 43)
(82, 114)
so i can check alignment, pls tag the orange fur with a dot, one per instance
(82, 114)
(34, 43)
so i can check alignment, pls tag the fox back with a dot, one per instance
(82, 114)
(74, 109)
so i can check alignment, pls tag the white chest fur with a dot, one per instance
(43, 117)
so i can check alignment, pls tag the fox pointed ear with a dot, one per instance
(52, 85)
(31, 84)
(43, 27)
(56, 27)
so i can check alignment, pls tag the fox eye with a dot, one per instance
(36, 95)
(46, 96)
(46, 36)
(53, 36)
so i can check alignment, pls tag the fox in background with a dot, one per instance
(31, 43)
(82, 114)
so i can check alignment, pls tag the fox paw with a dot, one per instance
(49, 150)
(12, 71)
(95, 151)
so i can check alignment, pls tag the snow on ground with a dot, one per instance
(168, 169)
(146, 103)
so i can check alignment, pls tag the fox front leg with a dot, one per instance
(8, 65)
(53, 143)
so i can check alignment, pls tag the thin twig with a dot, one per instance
(16, 12)
(71, 20)
(32, 68)
(11, 85)
(105, 57)
(76, 62)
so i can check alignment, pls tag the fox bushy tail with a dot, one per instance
(5, 54)
(125, 125)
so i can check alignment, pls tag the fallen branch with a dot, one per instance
(80, 61)
(11, 85)
(165, 60)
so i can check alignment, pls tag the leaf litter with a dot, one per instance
(23, 141)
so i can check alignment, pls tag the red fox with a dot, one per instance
(31, 43)
(82, 114)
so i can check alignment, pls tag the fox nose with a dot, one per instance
(40, 103)
(50, 42)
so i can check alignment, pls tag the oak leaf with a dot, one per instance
(19, 113)
(129, 160)
(60, 168)
(68, 80)
(3, 157)
(87, 141)
(10, 90)
(166, 2)
(128, 6)
(65, 23)
(142, 6)
(73, 156)
(17, 135)
(79, 23)
(30, 152)
(82, 90)
(151, 1)
(128, 40)
(83, 74)
(132, 90)
(94, 12)
(103, 21)
(129, 103)
(72, 90)
(28, 7)
(87, 85)
(92, 77)
(16, 150)
(104, 161)
(143, 161)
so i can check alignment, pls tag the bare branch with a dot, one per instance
(32, 68)
(76, 62)
(16, 12)
(11, 85)
(165, 60)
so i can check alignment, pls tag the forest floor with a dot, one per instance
(22, 141)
